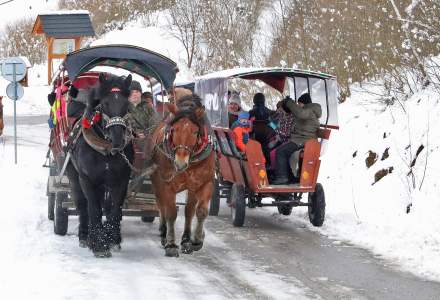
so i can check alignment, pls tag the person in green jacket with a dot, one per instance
(142, 120)
(306, 124)
(142, 116)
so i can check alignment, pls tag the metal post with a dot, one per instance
(15, 110)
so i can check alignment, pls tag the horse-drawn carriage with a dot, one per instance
(82, 69)
(243, 179)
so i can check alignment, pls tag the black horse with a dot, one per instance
(99, 171)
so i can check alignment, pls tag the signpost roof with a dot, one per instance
(64, 24)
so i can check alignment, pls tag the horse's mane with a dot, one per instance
(187, 108)
(189, 102)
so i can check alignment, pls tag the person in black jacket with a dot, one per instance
(260, 112)
(263, 127)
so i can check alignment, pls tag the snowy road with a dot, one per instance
(272, 257)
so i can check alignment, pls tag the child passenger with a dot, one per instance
(241, 129)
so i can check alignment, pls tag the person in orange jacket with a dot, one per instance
(241, 129)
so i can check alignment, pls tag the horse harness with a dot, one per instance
(84, 127)
(198, 152)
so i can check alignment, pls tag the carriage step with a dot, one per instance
(142, 196)
(57, 184)
(68, 205)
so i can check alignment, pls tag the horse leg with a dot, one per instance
(81, 205)
(203, 197)
(97, 240)
(114, 215)
(163, 230)
(171, 249)
(189, 214)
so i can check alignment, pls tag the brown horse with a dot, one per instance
(185, 160)
(2, 125)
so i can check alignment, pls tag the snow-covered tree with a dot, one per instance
(18, 40)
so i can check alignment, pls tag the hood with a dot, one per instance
(259, 99)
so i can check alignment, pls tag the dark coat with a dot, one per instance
(261, 113)
(142, 117)
(306, 121)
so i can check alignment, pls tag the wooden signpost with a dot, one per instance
(64, 31)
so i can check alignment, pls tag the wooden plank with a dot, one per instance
(256, 164)
(49, 59)
(310, 164)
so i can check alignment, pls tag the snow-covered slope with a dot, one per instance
(375, 215)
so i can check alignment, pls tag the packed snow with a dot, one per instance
(38, 264)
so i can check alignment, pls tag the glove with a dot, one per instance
(73, 91)
(273, 125)
(51, 98)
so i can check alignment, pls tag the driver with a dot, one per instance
(142, 117)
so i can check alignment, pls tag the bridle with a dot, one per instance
(107, 122)
(197, 153)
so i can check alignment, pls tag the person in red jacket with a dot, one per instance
(241, 129)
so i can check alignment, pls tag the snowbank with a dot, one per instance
(375, 215)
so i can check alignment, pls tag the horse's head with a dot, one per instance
(186, 129)
(111, 95)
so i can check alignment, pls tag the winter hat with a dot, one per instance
(259, 99)
(243, 115)
(135, 85)
(235, 98)
(305, 99)
(146, 95)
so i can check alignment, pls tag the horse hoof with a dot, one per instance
(186, 248)
(172, 252)
(163, 241)
(102, 254)
(115, 248)
(197, 246)
(83, 244)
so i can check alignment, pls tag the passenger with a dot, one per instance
(285, 124)
(260, 112)
(142, 117)
(148, 98)
(234, 107)
(306, 118)
(241, 129)
(283, 131)
(263, 127)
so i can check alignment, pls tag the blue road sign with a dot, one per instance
(13, 93)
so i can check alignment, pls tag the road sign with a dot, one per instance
(7, 68)
(14, 95)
